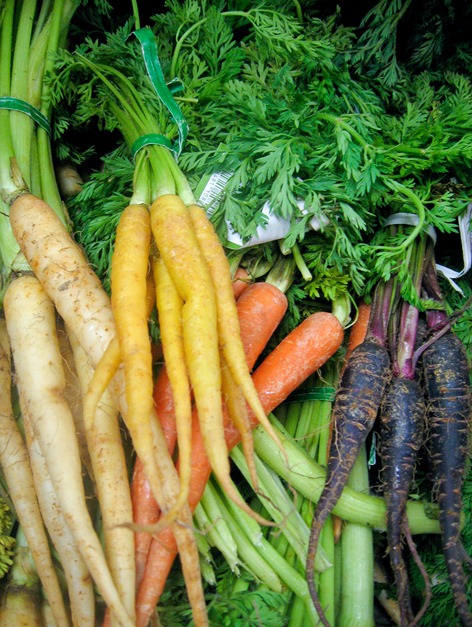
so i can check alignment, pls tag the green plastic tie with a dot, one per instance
(313, 394)
(164, 91)
(175, 85)
(15, 104)
(373, 451)
(149, 140)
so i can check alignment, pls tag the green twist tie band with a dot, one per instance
(313, 394)
(175, 85)
(373, 451)
(154, 70)
(15, 104)
(149, 140)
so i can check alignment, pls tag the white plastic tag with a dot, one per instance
(466, 242)
(275, 228)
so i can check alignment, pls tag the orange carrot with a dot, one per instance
(298, 356)
(261, 307)
(359, 328)
(241, 280)
(164, 402)
(145, 512)
(145, 509)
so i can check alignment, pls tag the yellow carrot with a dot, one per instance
(177, 244)
(238, 413)
(228, 321)
(169, 308)
(107, 367)
(104, 372)
(129, 269)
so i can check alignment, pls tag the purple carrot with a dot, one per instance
(447, 383)
(402, 420)
(402, 426)
(354, 412)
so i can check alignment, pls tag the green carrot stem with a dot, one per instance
(299, 616)
(280, 507)
(292, 418)
(326, 579)
(300, 263)
(286, 573)
(204, 543)
(281, 274)
(308, 477)
(257, 265)
(181, 183)
(315, 417)
(218, 529)
(57, 24)
(134, 121)
(357, 551)
(19, 88)
(337, 578)
(141, 180)
(251, 556)
(27, 40)
(204, 534)
(7, 152)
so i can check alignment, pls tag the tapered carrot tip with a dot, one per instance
(300, 354)
(241, 280)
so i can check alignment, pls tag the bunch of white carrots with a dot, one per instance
(47, 353)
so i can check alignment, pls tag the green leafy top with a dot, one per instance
(291, 110)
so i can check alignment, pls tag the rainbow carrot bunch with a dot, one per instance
(167, 257)
(163, 231)
(167, 254)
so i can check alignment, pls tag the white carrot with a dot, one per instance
(17, 471)
(73, 394)
(30, 317)
(112, 483)
(67, 277)
(63, 271)
(79, 582)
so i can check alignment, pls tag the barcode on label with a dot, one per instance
(214, 187)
